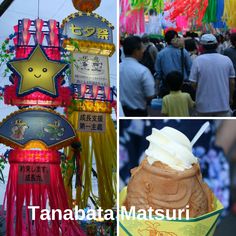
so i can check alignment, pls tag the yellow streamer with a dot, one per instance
(101, 147)
(230, 13)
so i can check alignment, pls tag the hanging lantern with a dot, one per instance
(26, 23)
(86, 5)
(39, 24)
(83, 90)
(15, 41)
(108, 93)
(53, 39)
(26, 37)
(39, 37)
(95, 90)
(15, 28)
(53, 26)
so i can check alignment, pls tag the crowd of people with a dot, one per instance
(193, 75)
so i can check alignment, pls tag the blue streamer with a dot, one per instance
(219, 14)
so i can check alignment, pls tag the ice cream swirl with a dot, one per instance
(170, 147)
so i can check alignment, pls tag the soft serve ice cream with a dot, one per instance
(170, 147)
(169, 177)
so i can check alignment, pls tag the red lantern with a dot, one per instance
(16, 28)
(108, 93)
(83, 90)
(86, 5)
(26, 23)
(53, 26)
(39, 24)
(95, 91)
(26, 37)
(39, 37)
(53, 39)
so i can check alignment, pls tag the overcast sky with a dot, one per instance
(49, 9)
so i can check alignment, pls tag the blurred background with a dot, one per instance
(216, 150)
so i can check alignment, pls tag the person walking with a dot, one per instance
(231, 52)
(149, 55)
(172, 58)
(212, 75)
(137, 86)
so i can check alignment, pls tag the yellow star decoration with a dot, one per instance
(37, 73)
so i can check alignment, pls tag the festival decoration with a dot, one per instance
(88, 37)
(132, 14)
(156, 5)
(36, 124)
(131, 20)
(229, 13)
(6, 54)
(192, 9)
(219, 14)
(210, 14)
(35, 134)
(90, 31)
(86, 5)
(41, 82)
(37, 73)
(203, 15)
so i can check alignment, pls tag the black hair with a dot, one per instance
(190, 45)
(145, 38)
(170, 35)
(233, 39)
(209, 47)
(220, 38)
(188, 34)
(174, 80)
(131, 44)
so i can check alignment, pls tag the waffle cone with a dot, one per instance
(161, 187)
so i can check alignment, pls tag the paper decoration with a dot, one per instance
(229, 13)
(34, 124)
(93, 92)
(37, 73)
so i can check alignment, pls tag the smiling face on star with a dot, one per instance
(37, 72)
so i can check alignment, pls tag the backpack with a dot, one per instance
(147, 60)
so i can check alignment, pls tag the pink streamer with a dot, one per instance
(131, 21)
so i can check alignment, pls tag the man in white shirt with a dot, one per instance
(137, 85)
(213, 76)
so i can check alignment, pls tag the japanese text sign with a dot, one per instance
(90, 69)
(92, 122)
(33, 173)
(88, 26)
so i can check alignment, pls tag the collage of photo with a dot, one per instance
(117, 117)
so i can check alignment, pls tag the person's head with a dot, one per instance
(208, 42)
(170, 35)
(190, 45)
(227, 35)
(233, 39)
(220, 38)
(187, 35)
(133, 47)
(145, 38)
(174, 80)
